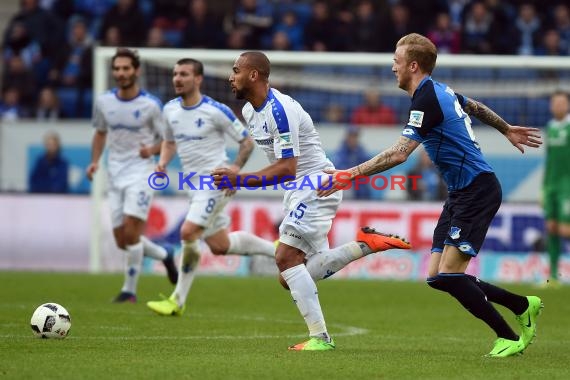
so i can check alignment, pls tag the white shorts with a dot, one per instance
(207, 209)
(308, 219)
(131, 199)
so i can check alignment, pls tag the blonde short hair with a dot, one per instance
(419, 49)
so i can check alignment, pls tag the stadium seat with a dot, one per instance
(69, 101)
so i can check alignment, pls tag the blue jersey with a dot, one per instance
(437, 120)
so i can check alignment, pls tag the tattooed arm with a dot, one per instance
(389, 158)
(486, 115)
(518, 136)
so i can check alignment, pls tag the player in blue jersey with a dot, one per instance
(439, 119)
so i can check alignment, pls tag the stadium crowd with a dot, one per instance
(36, 61)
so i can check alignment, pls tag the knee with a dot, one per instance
(189, 232)
(285, 261)
(130, 238)
(217, 249)
(283, 283)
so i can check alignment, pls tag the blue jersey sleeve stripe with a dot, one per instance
(222, 107)
(279, 115)
(287, 153)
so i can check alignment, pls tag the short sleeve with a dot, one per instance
(286, 131)
(99, 122)
(425, 112)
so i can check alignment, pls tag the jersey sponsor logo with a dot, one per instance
(131, 128)
(416, 119)
(285, 140)
(264, 142)
(183, 137)
(408, 132)
(454, 232)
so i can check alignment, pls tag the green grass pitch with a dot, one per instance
(239, 328)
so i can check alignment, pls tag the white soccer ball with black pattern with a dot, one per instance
(51, 320)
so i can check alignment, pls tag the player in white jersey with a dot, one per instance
(196, 127)
(130, 119)
(286, 133)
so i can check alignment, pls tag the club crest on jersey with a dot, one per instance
(199, 122)
(137, 114)
(265, 128)
(454, 232)
(416, 118)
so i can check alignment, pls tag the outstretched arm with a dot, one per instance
(393, 156)
(518, 136)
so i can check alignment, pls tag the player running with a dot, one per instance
(130, 119)
(285, 132)
(439, 120)
(196, 128)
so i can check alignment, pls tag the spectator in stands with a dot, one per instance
(476, 33)
(48, 106)
(170, 14)
(366, 27)
(127, 17)
(342, 31)
(291, 27)
(527, 26)
(501, 30)
(456, 12)
(255, 19)
(334, 113)
(373, 112)
(561, 15)
(204, 29)
(319, 27)
(43, 26)
(112, 37)
(236, 39)
(397, 25)
(10, 108)
(280, 41)
(429, 185)
(16, 75)
(551, 44)
(19, 42)
(50, 172)
(155, 38)
(73, 65)
(350, 153)
(444, 35)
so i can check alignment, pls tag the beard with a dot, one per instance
(240, 94)
(127, 82)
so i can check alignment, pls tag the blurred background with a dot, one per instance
(334, 57)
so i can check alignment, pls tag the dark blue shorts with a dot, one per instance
(467, 214)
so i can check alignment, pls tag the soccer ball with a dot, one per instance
(51, 320)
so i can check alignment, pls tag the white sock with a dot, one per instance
(244, 243)
(133, 267)
(306, 297)
(189, 260)
(325, 263)
(153, 250)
